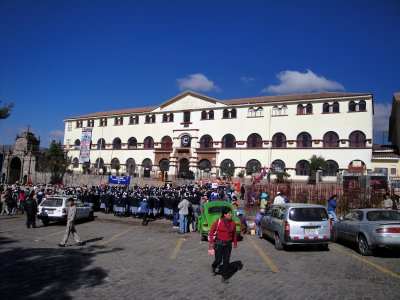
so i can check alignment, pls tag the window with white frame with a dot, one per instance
(103, 122)
(279, 111)
(251, 112)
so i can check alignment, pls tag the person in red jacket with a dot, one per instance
(225, 229)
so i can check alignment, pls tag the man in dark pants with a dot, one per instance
(144, 210)
(31, 210)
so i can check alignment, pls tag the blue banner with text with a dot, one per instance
(119, 180)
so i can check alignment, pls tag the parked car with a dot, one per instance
(296, 224)
(55, 208)
(211, 212)
(369, 228)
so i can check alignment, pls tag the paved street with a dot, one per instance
(124, 260)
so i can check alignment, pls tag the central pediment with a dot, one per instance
(190, 100)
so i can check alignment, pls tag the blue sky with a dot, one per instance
(65, 58)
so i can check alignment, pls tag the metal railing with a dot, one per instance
(349, 197)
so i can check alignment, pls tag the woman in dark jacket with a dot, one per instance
(225, 229)
(31, 210)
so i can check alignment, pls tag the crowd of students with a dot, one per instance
(130, 201)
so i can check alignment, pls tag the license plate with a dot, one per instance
(310, 231)
(50, 212)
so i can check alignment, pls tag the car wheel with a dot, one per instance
(278, 242)
(363, 246)
(45, 221)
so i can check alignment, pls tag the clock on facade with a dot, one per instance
(185, 140)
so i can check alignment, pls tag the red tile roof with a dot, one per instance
(265, 99)
(294, 97)
(385, 155)
(116, 112)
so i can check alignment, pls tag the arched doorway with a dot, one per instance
(147, 166)
(183, 168)
(15, 170)
(130, 166)
(205, 168)
(164, 168)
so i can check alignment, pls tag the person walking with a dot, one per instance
(31, 210)
(144, 210)
(279, 199)
(264, 201)
(71, 225)
(225, 229)
(22, 199)
(183, 207)
(387, 202)
(332, 203)
(4, 206)
(195, 201)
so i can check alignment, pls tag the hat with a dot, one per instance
(264, 195)
(262, 210)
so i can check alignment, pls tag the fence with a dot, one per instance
(349, 197)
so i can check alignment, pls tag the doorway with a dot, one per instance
(183, 168)
(15, 170)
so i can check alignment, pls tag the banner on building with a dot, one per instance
(84, 154)
(119, 180)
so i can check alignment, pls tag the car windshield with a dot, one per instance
(52, 202)
(215, 209)
(382, 215)
(302, 214)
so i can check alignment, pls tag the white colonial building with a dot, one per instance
(211, 137)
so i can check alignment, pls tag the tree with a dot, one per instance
(282, 177)
(117, 167)
(5, 110)
(317, 163)
(58, 161)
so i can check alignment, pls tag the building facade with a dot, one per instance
(206, 137)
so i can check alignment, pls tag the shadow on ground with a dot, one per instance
(233, 268)
(378, 252)
(47, 273)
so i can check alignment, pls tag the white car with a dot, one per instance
(55, 208)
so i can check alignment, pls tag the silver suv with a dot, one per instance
(55, 208)
(296, 223)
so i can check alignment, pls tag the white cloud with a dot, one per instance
(247, 80)
(297, 82)
(197, 82)
(381, 117)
